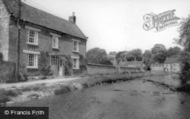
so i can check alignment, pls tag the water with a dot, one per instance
(138, 99)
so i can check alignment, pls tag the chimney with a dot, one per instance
(72, 18)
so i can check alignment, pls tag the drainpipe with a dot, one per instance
(18, 41)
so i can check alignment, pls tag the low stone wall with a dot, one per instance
(7, 72)
(100, 69)
(129, 70)
(108, 69)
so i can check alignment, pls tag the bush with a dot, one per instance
(62, 90)
(185, 71)
(1, 57)
(3, 100)
(10, 93)
(44, 66)
(68, 65)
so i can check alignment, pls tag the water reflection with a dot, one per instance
(146, 100)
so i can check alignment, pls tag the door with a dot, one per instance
(61, 67)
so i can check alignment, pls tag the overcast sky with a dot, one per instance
(116, 25)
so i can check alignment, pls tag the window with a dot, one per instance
(32, 61)
(32, 37)
(76, 46)
(54, 60)
(75, 63)
(55, 42)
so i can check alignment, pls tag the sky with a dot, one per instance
(117, 25)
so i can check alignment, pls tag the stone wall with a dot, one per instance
(107, 69)
(7, 72)
(100, 69)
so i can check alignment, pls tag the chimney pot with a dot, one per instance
(72, 18)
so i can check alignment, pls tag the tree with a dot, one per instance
(158, 48)
(137, 54)
(159, 57)
(159, 53)
(113, 53)
(98, 56)
(147, 57)
(173, 51)
(184, 40)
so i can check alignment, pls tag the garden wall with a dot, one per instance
(107, 69)
(7, 72)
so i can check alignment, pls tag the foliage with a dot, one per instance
(184, 31)
(68, 65)
(184, 40)
(172, 51)
(120, 55)
(159, 53)
(83, 63)
(44, 66)
(97, 56)
(158, 48)
(159, 57)
(147, 57)
(62, 90)
(185, 72)
(113, 53)
(1, 57)
(135, 54)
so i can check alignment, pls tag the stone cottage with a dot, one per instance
(40, 31)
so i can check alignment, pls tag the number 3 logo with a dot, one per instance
(149, 22)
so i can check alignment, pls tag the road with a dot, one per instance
(137, 99)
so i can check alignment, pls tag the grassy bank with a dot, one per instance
(38, 91)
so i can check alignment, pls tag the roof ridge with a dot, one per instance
(43, 18)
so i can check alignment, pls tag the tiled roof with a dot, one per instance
(43, 18)
(172, 60)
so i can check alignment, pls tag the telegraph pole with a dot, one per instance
(18, 41)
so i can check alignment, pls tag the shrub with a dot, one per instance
(12, 93)
(3, 100)
(185, 71)
(44, 66)
(1, 57)
(68, 65)
(62, 90)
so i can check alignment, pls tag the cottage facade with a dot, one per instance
(172, 64)
(157, 67)
(40, 32)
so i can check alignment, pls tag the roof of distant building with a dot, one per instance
(171, 60)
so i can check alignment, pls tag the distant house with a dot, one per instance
(172, 64)
(40, 31)
(157, 67)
